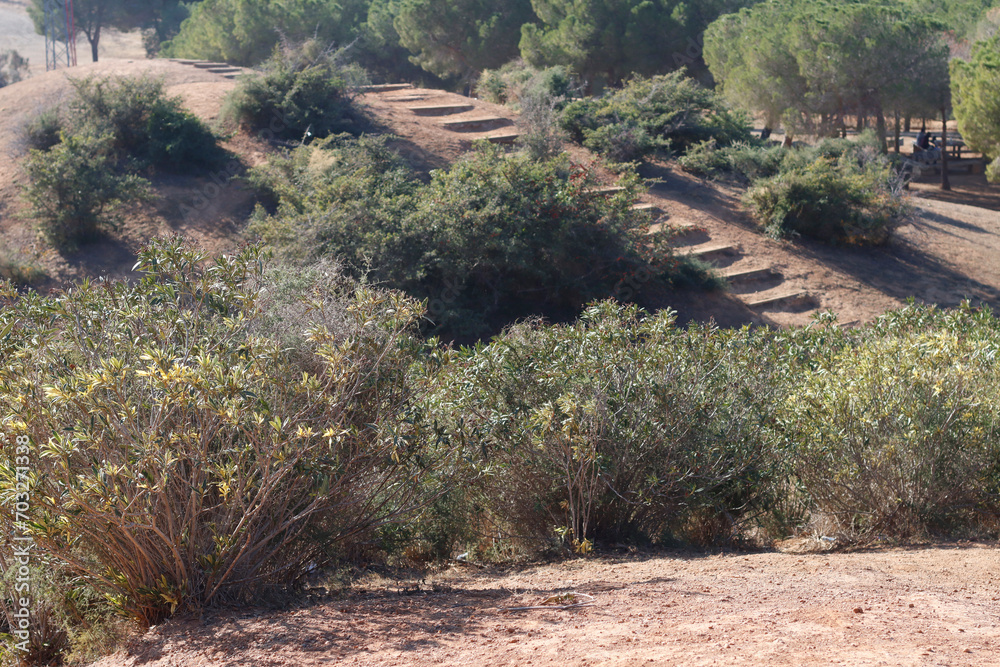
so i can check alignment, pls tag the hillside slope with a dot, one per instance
(946, 253)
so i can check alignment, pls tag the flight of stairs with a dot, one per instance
(461, 117)
(222, 69)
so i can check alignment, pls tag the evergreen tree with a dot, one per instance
(245, 32)
(460, 37)
(976, 91)
(811, 63)
(606, 41)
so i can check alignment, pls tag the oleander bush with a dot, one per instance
(896, 434)
(618, 427)
(182, 454)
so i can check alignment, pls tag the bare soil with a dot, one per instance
(923, 606)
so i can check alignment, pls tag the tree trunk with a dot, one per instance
(945, 183)
(896, 130)
(880, 128)
(906, 125)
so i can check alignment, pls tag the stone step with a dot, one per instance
(702, 251)
(225, 70)
(772, 300)
(678, 228)
(204, 64)
(385, 87)
(606, 190)
(475, 124)
(503, 138)
(748, 275)
(649, 208)
(440, 109)
(412, 97)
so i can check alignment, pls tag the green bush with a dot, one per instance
(655, 115)
(494, 238)
(746, 161)
(300, 92)
(516, 81)
(143, 125)
(896, 434)
(43, 131)
(76, 189)
(617, 427)
(180, 454)
(830, 201)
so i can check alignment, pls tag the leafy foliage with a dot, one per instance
(617, 427)
(245, 32)
(181, 455)
(76, 188)
(607, 42)
(800, 62)
(668, 112)
(976, 98)
(85, 165)
(143, 125)
(494, 238)
(516, 81)
(894, 431)
(302, 91)
(460, 37)
(851, 200)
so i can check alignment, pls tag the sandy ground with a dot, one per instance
(18, 32)
(924, 606)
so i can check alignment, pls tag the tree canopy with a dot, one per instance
(606, 41)
(461, 37)
(245, 32)
(976, 99)
(799, 61)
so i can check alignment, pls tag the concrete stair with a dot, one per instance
(482, 124)
(440, 109)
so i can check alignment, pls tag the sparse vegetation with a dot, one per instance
(18, 269)
(12, 67)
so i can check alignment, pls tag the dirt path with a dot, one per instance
(927, 606)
